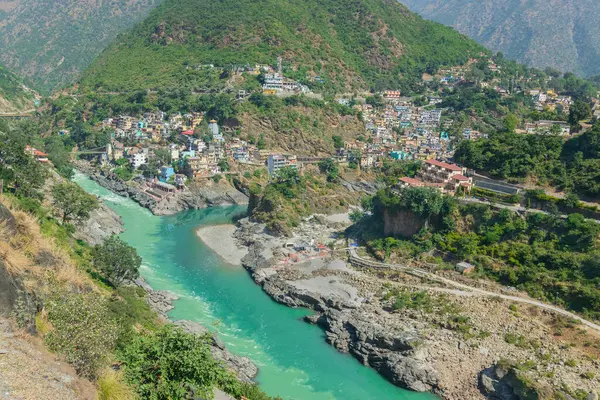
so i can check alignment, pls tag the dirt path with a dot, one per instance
(466, 290)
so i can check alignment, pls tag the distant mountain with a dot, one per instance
(562, 34)
(51, 41)
(350, 44)
(15, 97)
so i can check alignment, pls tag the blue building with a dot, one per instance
(166, 173)
(400, 155)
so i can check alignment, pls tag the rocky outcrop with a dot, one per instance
(198, 196)
(505, 382)
(396, 355)
(404, 223)
(8, 221)
(362, 186)
(102, 223)
(15, 300)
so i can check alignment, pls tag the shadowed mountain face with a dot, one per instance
(351, 44)
(562, 34)
(49, 42)
(15, 97)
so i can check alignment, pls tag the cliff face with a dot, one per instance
(403, 223)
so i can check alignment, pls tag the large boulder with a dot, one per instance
(8, 220)
(15, 301)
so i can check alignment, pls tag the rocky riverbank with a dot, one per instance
(455, 346)
(161, 302)
(349, 323)
(196, 196)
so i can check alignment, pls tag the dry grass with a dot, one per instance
(29, 252)
(111, 386)
(17, 264)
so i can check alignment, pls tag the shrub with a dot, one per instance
(571, 363)
(172, 364)
(83, 332)
(128, 307)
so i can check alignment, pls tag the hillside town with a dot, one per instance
(177, 148)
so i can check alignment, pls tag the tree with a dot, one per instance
(338, 141)
(511, 122)
(116, 260)
(376, 101)
(172, 364)
(18, 169)
(329, 167)
(224, 165)
(73, 202)
(356, 215)
(261, 144)
(555, 129)
(83, 333)
(579, 111)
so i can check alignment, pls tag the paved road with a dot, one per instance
(466, 290)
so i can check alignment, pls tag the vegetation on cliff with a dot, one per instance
(51, 43)
(283, 200)
(559, 35)
(14, 95)
(552, 258)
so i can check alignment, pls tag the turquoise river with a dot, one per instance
(294, 360)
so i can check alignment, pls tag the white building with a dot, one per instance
(273, 82)
(276, 161)
(138, 159)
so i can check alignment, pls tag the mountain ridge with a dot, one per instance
(49, 43)
(557, 34)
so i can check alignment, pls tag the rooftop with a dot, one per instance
(460, 178)
(441, 164)
(411, 181)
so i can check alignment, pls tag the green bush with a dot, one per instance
(128, 307)
(83, 333)
(172, 364)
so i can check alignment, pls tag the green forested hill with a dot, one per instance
(14, 96)
(351, 44)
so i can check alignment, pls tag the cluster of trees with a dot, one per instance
(572, 165)
(551, 258)
(429, 204)
(90, 330)
(19, 172)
